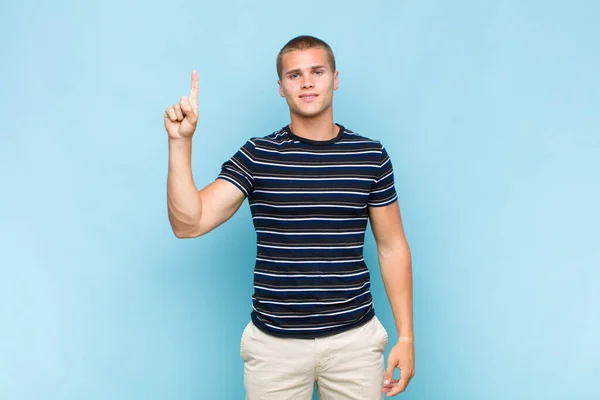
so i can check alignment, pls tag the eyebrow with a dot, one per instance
(294, 71)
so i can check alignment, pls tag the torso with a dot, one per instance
(309, 204)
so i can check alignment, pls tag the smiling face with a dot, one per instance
(307, 82)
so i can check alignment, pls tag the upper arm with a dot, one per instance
(223, 197)
(384, 211)
(386, 224)
(220, 200)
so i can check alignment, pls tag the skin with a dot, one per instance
(307, 84)
(305, 73)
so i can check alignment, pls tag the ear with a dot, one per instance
(280, 88)
(336, 81)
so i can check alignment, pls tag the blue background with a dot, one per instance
(489, 110)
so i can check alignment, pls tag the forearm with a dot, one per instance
(396, 272)
(183, 200)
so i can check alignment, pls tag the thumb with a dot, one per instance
(188, 111)
(389, 373)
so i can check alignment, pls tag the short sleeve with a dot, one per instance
(383, 190)
(239, 169)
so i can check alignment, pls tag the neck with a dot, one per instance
(320, 127)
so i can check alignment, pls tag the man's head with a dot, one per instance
(307, 76)
(304, 42)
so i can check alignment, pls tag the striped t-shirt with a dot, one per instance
(309, 203)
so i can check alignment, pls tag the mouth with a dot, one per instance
(308, 97)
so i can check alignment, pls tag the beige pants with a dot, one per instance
(345, 366)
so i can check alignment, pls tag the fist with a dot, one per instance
(181, 118)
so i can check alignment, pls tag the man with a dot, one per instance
(312, 187)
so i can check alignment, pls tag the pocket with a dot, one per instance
(243, 340)
(383, 333)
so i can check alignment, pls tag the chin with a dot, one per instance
(310, 113)
(307, 114)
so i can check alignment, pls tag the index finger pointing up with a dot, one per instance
(194, 91)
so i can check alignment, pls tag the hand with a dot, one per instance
(181, 118)
(402, 356)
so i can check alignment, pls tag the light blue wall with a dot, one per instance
(490, 111)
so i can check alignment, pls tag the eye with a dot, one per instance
(319, 72)
(294, 76)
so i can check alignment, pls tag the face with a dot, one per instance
(307, 82)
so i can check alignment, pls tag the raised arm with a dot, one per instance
(193, 213)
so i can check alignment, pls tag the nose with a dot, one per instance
(307, 82)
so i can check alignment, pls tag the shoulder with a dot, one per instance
(275, 137)
(361, 140)
(253, 142)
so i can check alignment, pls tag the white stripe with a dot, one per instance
(314, 303)
(303, 329)
(373, 203)
(313, 290)
(237, 184)
(314, 219)
(311, 233)
(313, 315)
(242, 168)
(355, 142)
(280, 133)
(312, 276)
(276, 178)
(308, 192)
(311, 261)
(319, 154)
(238, 173)
(383, 177)
(306, 205)
(383, 190)
(275, 143)
(312, 166)
(310, 248)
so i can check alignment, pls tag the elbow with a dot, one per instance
(181, 234)
(186, 233)
(183, 229)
